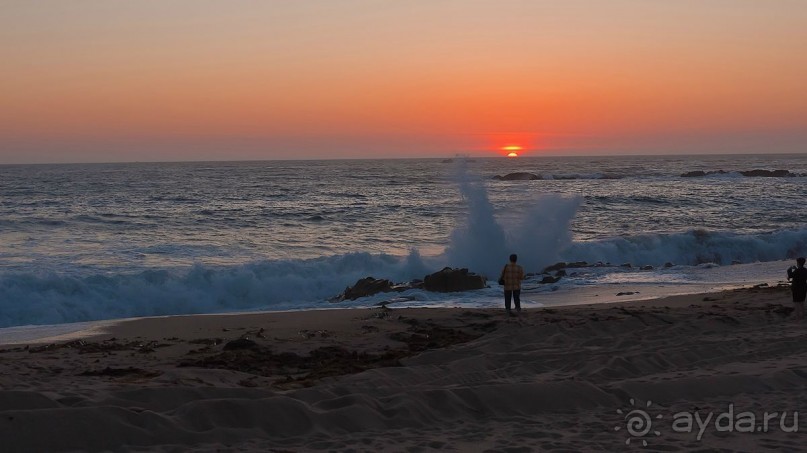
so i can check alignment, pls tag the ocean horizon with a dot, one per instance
(90, 242)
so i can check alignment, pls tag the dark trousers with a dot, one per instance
(799, 293)
(515, 295)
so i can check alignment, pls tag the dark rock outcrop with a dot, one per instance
(767, 173)
(366, 287)
(564, 265)
(749, 173)
(555, 267)
(519, 176)
(700, 173)
(451, 280)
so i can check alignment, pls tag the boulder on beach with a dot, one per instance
(451, 280)
(518, 176)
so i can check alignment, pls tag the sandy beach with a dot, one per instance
(605, 377)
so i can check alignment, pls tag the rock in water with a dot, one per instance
(700, 173)
(767, 173)
(451, 280)
(366, 287)
(519, 176)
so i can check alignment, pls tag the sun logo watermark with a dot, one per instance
(638, 423)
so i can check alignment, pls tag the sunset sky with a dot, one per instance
(110, 80)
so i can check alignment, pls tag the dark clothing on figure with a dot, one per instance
(515, 295)
(798, 284)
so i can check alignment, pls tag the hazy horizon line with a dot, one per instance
(440, 158)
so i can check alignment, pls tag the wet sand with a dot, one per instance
(417, 379)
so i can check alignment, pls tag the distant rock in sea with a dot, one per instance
(462, 158)
(748, 173)
(519, 176)
(768, 173)
(700, 173)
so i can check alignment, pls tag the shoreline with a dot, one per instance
(594, 284)
(414, 379)
(581, 296)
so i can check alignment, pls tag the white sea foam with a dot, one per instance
(290, 235)
(584, 285)
(538, 232)
(691, 248)
(50, 298)
(479, 242)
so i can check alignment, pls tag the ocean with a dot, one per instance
(89, 242)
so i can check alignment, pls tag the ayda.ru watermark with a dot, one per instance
(642, 423)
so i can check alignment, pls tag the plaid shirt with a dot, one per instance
(512, 274)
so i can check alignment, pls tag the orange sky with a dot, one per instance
(110, 80)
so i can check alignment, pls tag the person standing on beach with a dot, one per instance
(511, 277)
(798, 285)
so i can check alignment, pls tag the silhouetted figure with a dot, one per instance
(798, 285)
(511, 277)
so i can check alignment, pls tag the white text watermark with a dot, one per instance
(641, 422)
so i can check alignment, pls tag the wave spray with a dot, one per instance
(537, 232)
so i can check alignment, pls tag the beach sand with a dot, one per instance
(552, 379)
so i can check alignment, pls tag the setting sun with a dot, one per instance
(511, 150)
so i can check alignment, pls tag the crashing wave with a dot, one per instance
(691, 248)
